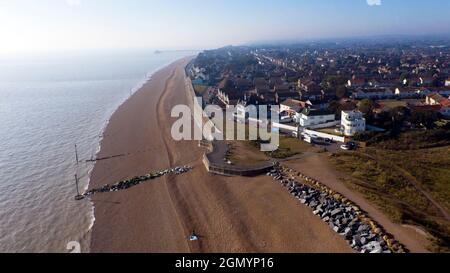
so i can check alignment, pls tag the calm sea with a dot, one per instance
(47, 105)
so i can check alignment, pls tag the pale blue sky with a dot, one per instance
(36, 25)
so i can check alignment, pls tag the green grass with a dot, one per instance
(295, 145)
(244, 153)
(288, 147)
(393, 103)
(330, 131)
(200, 89)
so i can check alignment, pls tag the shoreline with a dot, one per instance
(229, 213)
(92, 184)
(148, 77)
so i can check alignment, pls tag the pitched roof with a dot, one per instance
(437, 97)
(292, 103)
(445, 103)
(425, 108)
(315, 112)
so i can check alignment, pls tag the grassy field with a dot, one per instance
(200, 89)
(375, 173)
(290, 147)
(244, 153)
(393, 103)
(248, 153)
(330, 131)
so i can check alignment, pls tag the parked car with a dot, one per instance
(349, 146)
(353, 145)
(346, 147)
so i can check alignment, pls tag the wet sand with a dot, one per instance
(231, 214)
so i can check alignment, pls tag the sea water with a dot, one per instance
(49, 103)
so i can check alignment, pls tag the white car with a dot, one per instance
(345, 147)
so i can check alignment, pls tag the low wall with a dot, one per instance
(229, 170)
(213, 160)
(285, 127)
(324, 135)
(325, 125)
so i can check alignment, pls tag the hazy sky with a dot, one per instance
(36, 25)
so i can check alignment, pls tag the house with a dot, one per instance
(347, 105)
(438, 100)
(260, 82)
(243, 84)
(269, 98)
(425, 108)
(311, 117)
(308, 85)
(440, 91)
(312, 95)
(282, 88)
(373, 93)
(447, 82)
(352, 122)
(356, 82)
(435, 99)
(262, 89)
(274, 81)
(293, 107)
(410, 92)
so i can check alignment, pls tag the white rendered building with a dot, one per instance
(352, 122)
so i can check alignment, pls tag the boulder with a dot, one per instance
(363, 228)
(348, 232)
(363, 240)
(377, 251)
(336, 212)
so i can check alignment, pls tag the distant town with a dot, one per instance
(370, 87)
(373, 115)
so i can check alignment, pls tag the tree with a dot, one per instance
(436, 82)
(341, 92)
(335, 85)
(398, 115)
(366, 107)
(426, 118)
(335, 107)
